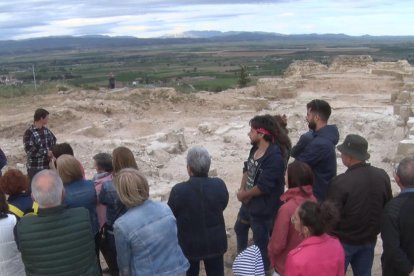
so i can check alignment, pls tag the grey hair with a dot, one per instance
(405, 171)
(47, 189)
(198, 160)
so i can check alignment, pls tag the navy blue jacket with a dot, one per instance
(270, 180)
(3, 160)
(198, 206)
(22, 201)
(320, 155)
(81, 193)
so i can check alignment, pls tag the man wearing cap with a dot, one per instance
(317, 147)
(360, 195)
(261, 186)
(397, 225)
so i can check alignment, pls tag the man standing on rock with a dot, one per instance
(360, 195)
(397, 225)
(317, 147)
(38, 141)
(261, 186)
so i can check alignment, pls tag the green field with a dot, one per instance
(189, 67)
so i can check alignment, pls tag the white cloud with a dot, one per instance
(150, 18)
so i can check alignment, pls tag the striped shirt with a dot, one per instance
(249, 263)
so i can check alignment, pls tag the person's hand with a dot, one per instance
(243, 196)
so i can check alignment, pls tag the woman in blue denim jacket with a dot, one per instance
(146, 235)
(78, 191)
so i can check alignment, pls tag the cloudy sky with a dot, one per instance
(21, 19)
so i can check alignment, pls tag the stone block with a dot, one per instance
(405, 148)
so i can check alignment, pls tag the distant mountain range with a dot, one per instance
(8, 47)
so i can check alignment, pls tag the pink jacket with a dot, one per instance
(317, 256)
(285, 237)
(98, 180)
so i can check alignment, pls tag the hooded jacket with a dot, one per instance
(320, 155)
(284, 236)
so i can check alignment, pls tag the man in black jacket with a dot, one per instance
(261, 186)
(317, 147)
(398, 225)
(360, 195)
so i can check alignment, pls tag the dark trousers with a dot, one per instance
(213, 267)
(360, 257)
(97, 242)
(261, 233)
(30, 174)
(108, 249)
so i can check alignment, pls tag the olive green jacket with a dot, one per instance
(57, 242)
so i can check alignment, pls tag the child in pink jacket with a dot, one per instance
(285, 237)
(318, 254)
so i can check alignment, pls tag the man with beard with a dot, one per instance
(317, 147)
(261, 186)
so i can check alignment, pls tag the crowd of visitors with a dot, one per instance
(303, 218)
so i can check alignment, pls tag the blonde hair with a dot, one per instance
(122, 157)
(68, 168)
(132, 187)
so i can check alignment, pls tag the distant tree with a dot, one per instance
(243, 76)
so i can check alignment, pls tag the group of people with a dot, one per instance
(323, 222)
(304, 219)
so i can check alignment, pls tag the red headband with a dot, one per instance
(265, 132)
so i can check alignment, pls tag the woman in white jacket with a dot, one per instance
(10, 260)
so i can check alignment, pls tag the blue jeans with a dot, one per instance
(261, 232)
(213, 267)
(360, 257)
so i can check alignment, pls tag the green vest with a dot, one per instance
(57, 242)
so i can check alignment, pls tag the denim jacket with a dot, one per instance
(146, 242)
(109, 197)
(82, 193)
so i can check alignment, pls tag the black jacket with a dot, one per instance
(397, 233)
(319, 153)
(198, 206)
(270, 180)
(360, 195)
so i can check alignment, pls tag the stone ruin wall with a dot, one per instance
(403, 108)
(299, 71)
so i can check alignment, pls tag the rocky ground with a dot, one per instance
(159, 125)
